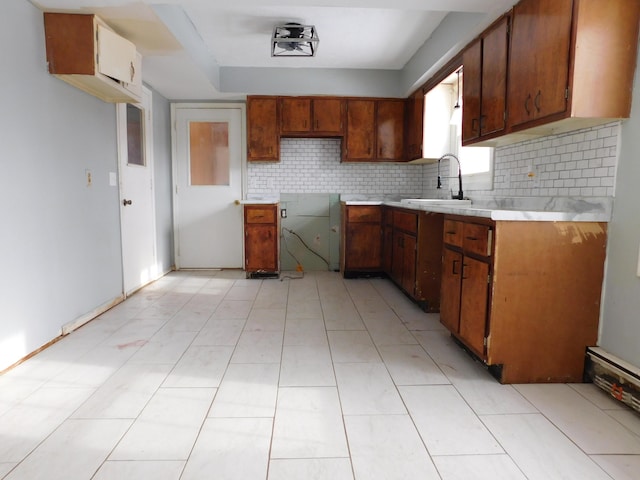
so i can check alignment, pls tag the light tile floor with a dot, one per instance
(206, 375)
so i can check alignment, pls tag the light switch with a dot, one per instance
(113, 179)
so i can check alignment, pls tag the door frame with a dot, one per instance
(242, 106)
(146, 106)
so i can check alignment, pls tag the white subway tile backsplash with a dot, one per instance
(580, 163)
(313, 166)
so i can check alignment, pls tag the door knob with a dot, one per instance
(126, 202)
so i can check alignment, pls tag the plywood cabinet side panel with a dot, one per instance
(70, 43)
(605, 61)
(547, 281)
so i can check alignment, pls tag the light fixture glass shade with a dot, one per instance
(294, 40)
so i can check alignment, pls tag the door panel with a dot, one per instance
(450, 299)
(208, 181)
(137, 208)
(473, 310)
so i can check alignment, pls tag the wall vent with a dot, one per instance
(618, 378)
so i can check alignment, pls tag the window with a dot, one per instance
(209, 153)
(135, 136)
(476, 163)
(443, 134)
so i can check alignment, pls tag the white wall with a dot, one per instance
(60, 238)
(620, 329)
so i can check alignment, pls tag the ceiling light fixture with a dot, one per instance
(294, 40)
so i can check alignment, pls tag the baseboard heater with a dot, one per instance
(618, 378)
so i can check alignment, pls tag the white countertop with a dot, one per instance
(540, 209)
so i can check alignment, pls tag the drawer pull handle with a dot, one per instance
(453, 270)
(464, 265)
(472, 238)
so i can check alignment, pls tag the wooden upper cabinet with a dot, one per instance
(485, 83)
(414, 125)
(311, 116)
(328, 116)
(471, 91)
(571, 60)
(375, 130)
(83, 51)
(263, 136)
(539, 65)
(390, 130)
(359, 142)
(295, 115)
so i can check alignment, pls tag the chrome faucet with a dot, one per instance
(460, 195)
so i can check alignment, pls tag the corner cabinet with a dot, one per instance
(261, 241)
(571, 60)
(263, 132)
(524, 297)
(83, 51)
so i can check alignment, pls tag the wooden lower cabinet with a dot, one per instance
(361, 240)
(412, 252)
(261, 240)
(524, 297)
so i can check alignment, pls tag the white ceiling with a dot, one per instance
(189, 44)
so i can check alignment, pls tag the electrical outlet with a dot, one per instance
(283, 213)
(89, 179)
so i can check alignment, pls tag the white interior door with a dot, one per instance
(208, 162)
(137, 206)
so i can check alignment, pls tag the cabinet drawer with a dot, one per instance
(405, 221)
(453, 232)
(477, 239)
(368, 214)
(260, 214)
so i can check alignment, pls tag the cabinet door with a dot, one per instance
(387, 249)
(364, 246)
(360, 135)
(473, 307)
(397, 257)
(390, 130)
(495, 45)
(263, 136)
(471, 91)
(409, 264)
(450, 289)
(414, 125)
(539, 59)
(261, 247)
(295, 114)
(327, 116)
